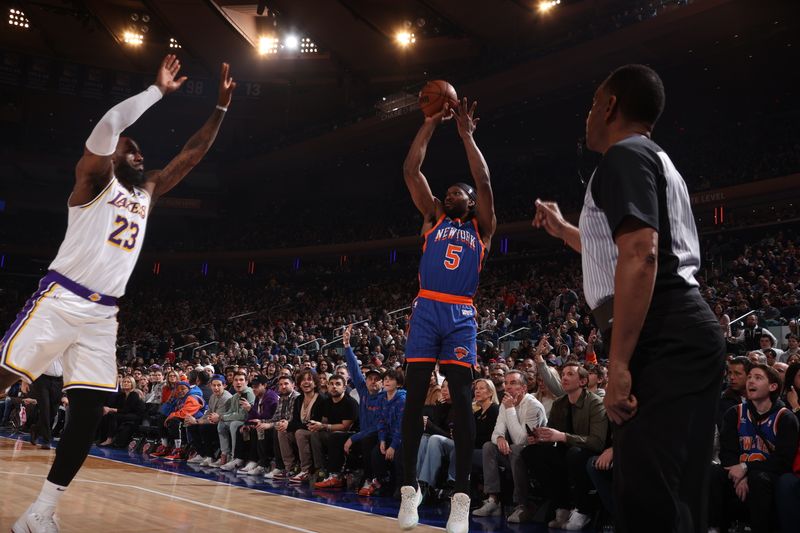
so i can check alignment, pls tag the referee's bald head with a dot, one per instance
(639, 92)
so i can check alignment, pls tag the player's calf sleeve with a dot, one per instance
(86, 411)
(418, 375)
(459, 382)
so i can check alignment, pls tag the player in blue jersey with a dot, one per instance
(457, 234)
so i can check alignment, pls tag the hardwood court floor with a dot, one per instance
(108, 495)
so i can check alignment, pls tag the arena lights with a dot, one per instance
(173, 43)
(132, 38)
(547, 5)
(307, 46)
(17, 18)
(405, 38)
(291, 42)
(267, 45)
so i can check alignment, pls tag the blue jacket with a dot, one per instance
(391, 419)
(369, 405)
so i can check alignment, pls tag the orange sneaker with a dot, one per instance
(330, 482)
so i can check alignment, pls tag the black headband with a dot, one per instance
(468, 190)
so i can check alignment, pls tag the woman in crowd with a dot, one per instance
(123, 416)
(169, 387)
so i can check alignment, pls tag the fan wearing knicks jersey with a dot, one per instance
(74, 312)
(457, 234)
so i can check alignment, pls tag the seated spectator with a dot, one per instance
(497, 373)
(248, 441)
(579, 428)
(369, 388)
(202, 432)
(233, 418)
(758, 443)
(519, 413)
(122, 418)
(599, 468)
(595, 378)
(734, 394)
(307, 408)
(793, 349)
(270, 429)
(438, 422)
(327, 436)
(8, 402)
(385, 457)
(187, 401)
(787, 493)
(168, 390)
(201, 379)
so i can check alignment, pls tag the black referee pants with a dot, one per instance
(47, 391)
(662, 457)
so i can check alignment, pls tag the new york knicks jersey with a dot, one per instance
(452, 257)
(104, 238)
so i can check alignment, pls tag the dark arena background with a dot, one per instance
(298, 222)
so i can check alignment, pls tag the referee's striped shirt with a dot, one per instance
(637, 178)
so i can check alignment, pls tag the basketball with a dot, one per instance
(434, 95)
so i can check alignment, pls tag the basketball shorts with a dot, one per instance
(57, 322)
(443, 332)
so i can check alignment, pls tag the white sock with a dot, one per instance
(165, 442)
(46, 503)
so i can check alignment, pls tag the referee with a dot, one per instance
(640, 252)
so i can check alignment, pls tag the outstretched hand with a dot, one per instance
(442, 116)
(346, 335)
(165, 78)
(465, 118)
(548, 216)
(226, 86)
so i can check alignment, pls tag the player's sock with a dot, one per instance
(85, 413)
(418, 376)
(48, 498)
(459, 382)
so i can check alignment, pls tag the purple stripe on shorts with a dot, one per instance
(43, 284)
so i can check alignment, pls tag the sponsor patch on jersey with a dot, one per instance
(460, 352)
(467, 311)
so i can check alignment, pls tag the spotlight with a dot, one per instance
(405, 38)
(267, 45)
(173, 43)
(17, 18)
(133, 38)
(547, 5)
(291, 42)
(307, 46)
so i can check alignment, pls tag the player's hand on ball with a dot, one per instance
(465, 118)
(165, 78)
(442, 116)
(226, 86)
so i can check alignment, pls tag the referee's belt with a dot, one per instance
(444, 297)
(604, 315)
(76, 288)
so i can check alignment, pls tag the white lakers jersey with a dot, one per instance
(104, 238)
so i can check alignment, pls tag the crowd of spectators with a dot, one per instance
(289, 394)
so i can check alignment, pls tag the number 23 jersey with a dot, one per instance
(452, 257)
(104, 238)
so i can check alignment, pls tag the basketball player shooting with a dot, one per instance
(74, 311)
(457, 235)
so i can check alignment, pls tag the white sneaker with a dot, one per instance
(257, 471)
(561, 519)
(459, 513)
(247, 468)
(31, 522)
(272, 473)
(489, 508)
(519, 515)
(196, 460)
(410, 498)
(232, 465)
(577, 521)
(207, 461)
(217, 464)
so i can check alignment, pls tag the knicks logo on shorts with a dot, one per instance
(460, 352)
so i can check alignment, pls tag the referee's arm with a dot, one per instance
(549, 217)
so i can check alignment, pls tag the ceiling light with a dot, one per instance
(291, 42)
(173, 43)
(133, 38)
(405, 38)
(17, 18)
(307, 46)
(267, 45)
(547, 5)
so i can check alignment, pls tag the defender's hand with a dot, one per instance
(165, 79)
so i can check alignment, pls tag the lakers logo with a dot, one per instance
(461, 352)
(94, 297)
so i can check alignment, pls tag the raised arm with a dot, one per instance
(94, 169)
(548, 216)
(484, 208)
(160, 182)
(427, 204)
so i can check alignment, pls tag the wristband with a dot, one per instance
(222, 108)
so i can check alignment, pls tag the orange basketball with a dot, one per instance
(434, 95)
